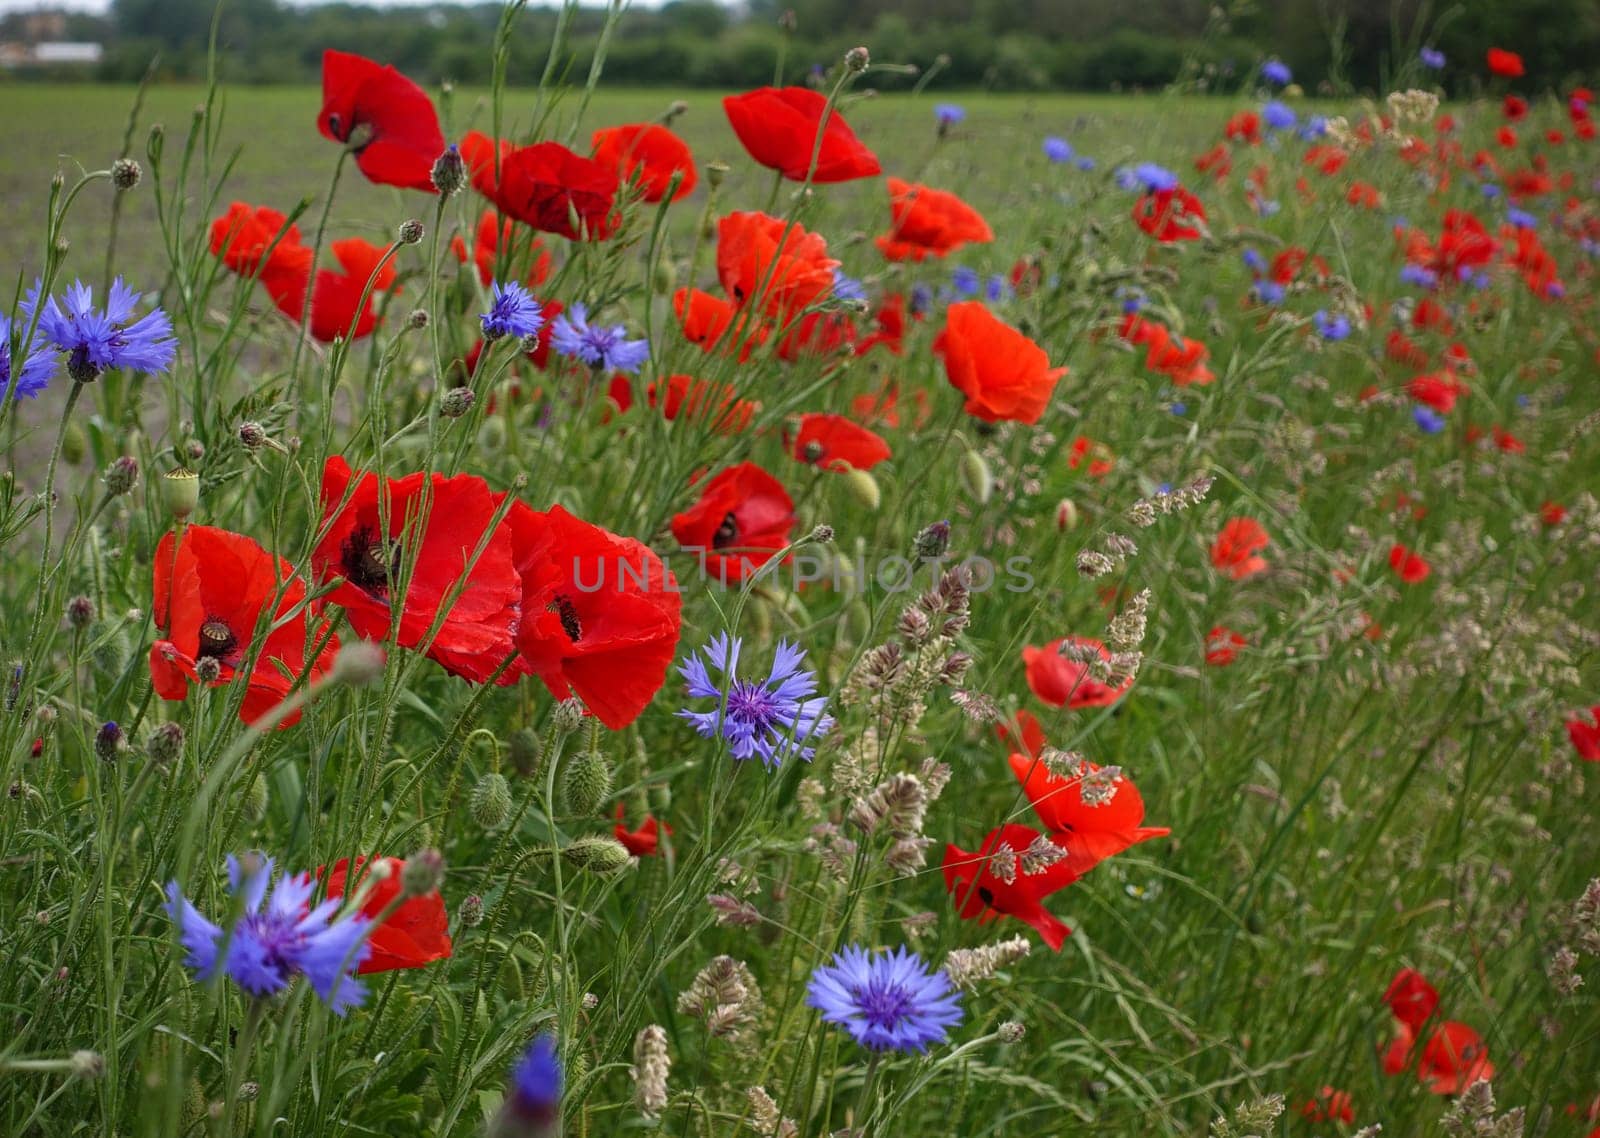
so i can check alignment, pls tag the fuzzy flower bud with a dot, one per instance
(121, 476)
(490, 803)
(411, 231)
(252, 435)
(587, 783)
(125, 173)
(109, 741)
(423, 873)
(471, 911)
(857, 59)
(598, 855)
(932, 541)
(166, 744)
(449, 173)
(80, 612)
(456, 402)
(359, 662)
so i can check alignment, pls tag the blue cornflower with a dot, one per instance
(1419, 275)
(1489, 190)
(270, 945)
(533, 1104)
(600, 348)
(1430, 422)
(1314, 128)
(965, 281)
(1179, 408)
(513, 312)
(97, 341)
(921, 298)
(1057, 149)
(1253, 259)
(1277, 115)
(1432, 58)
(1268, 292)
(949, 114)
(36, 369)
(1277, 71)
(770, 719)
(1555, 290)
(1522, 219)
(847, 288)
(1266, 207)
(1330, 327)
(886, 1001)
(1085, 162)
(1146, 176)
(996, 288)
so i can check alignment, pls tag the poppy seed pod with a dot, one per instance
(587, 783)
(527, 752)
(597, 854)
(490, 805)
(180, 490)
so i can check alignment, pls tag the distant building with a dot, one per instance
(39, 39)
(56, 53)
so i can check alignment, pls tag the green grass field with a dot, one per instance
(1377, 775)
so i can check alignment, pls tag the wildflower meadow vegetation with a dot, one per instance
(804, 614)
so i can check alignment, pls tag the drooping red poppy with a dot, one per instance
(990, 884)
(649, 152)
(1179, 358)
(210, 588)
(600, 612)
(1329, 1105)
(643, 842)
(715, 324)
(1585, 735)
(1095, 456)
(243, 236)
(1003, 374)
(925, 222)
(741, 519)
(1170, 215)
(1062, 682)
(1091, 833)
(1218, 161)
(416, 933)
(1222, 646)
(771, 265)
(385, 118)
(338, 310)
(545, 186)
(369, 557)
(526, 257)
(1506, 64)
(1237, 549)
(1408, 565)
(1411, 999)
(778, 128)
(833, 442)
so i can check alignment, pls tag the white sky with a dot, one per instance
(105, 5)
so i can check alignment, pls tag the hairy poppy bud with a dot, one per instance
(490, 805)
(88, 1065)
(121, 476)
(456, 402)
(358, 663)
(527, 752)
(597, 854)
(664, 279)
(423, 873)
(125, 173)
(166, 744)
(180, 489)
(863, 488)
(932, 542)
(975, 477)
(109, 741)
(587, 783)
(80, 612)
(1066, 515)
(569, 716)
(471, 911)
(1011, 1031)
(74, 442)
(253, 806)
(449, 173)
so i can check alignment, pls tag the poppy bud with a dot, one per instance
(587, 783)
(166, 744)
(863, 488)
(471, 911)
(80, 612)
(665, 278)
(121, 476)
(527, 752)
(180, 489)
(74, 443)
(568, 716)
(253, 806)
(411, 231)
(449, 174)
(125, 173)
(932, 541)
(456, 402)
(359, 662)
(597, 854)
(208, 670)
(423, 873)
(490, 805)
(1066, 515)
(975, 477)
(109, 741)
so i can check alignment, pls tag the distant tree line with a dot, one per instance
(1334, 46)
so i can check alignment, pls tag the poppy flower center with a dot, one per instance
(814, 451)
(986, 895)
(568, 612)
(216, 638)
(727, 533)
(366, 560)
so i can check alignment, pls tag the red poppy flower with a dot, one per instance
(1218, 161)
(927, 222)
(600, 613)
(1091, 833)
(643, 842)
(891, 327)
(476, 634)
(545, 186)
(1236, 548)
(342, 304)
(1401, 349)
(384, 117)
(990, 883)
(1514, 107)
(210, 588)
(1364, 195)
(1408, 565)
(650, 152)
(771, 265)
(1552, 513)
(693, 400)
(1222, 646)
(818, 335)
(882, 408)
(1436, 390)
(1003, 374)
(715, 324)
(1506, 64)
(1062, 682)
(1170, 215)
(832, 442)
(741, 519)
(525, 253)
(1411, 999)
(1453, 1058)
(243, 236)
(778, 128)
(1329, 1105)
(1244, 127)
(1099, 458)
(417, 932)
(1585, 735)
